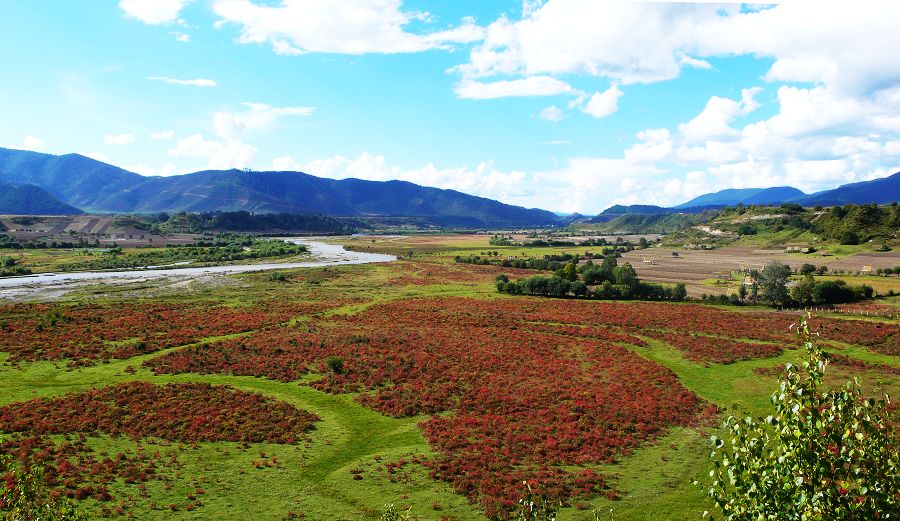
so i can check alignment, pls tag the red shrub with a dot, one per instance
(705, 348)
(73, 469)
(536, 386)
(423, 273)
(529, 398)
(88, 333)
(187, 412)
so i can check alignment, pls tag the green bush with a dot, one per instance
(532, 507)
(821, 454)
(278, 276)
(392, 514)
(25, 497)
(335, 363)
(849, 238)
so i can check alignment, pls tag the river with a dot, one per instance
(324, 255)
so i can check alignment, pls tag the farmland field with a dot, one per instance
(699, 269)
(339, 390)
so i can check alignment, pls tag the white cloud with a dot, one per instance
(586, 184)
(28, 143)
(166, 170)
(286, 164)
(220, 154)
(118, 139)
(181, 37)
(484, 180)
(346, 27)
(629, 42)
(165, 134)
(605, 103)
(837, 44)
(811, 124)
(551, 113)
(99, 156)
(153, 12)
(685, 60)
(820, 110)
(531, 86)
(32, 142)
(270, 111)
(193, 83)
(653, 146)
(715, 120)
(818, 139)
(229, 149)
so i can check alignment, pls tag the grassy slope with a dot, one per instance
(316, 478)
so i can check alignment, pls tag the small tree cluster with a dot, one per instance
(606, 281)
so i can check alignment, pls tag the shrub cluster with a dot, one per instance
(186, 412)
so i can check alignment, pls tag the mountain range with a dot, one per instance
(36, 183)
(881, 191)
(746, 196)
(94, 186)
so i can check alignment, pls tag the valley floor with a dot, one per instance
(430, 391)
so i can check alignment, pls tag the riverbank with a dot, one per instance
(56, 284)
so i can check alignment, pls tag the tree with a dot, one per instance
(501, 281)
(558, 287)
(803, 292)
(849, 237)
(680, 291)
(598, 274)
(25, 497)
(833, 292)
(746, 229)
(807, 269)
(606, 291)
(578, 288)
(773, 281)
(821, 454)
(821, 270)
(626, 276)
(570, 271)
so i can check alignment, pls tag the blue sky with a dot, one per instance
(569, 105)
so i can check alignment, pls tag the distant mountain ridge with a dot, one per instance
(881, 191)
(31, 200)
(659, 219)
(98, 187)
(746, 196)
(76, 181)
